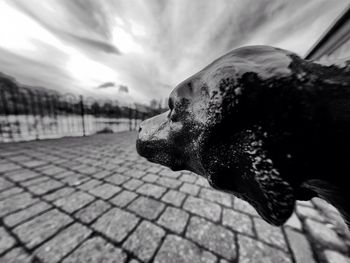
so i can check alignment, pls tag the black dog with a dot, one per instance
(262, 124)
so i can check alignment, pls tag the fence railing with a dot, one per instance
(27, 114)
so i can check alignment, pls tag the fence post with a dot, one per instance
(4, 100)
(82, 113)
(130, 118)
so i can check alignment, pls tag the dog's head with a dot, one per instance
(224, 124)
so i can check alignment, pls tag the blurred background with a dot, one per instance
(109, 64)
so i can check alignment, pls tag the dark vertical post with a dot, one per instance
(4, 99)
(130, 119)
(135, 118)
(14, 112)
(55, 115)
(33, 104)
(82, 113)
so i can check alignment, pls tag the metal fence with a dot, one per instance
(27, 114)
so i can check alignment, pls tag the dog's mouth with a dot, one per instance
(160, 152)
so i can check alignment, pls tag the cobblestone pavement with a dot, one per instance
(93, 199)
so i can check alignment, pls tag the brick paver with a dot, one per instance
(93, 199)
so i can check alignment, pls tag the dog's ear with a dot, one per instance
(272, 197)
(268, 192)
(246, 171)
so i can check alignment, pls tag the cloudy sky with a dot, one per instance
(92, 47)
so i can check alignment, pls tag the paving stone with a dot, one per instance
(237, 221)
(176, 249)
(202, 182)
(10, 192)
(16, 255)
(146, 207)
(144, 240)
(101, 174)
(34, 181)
(96, 250)
(33, 163)
(88, 170)
(150, 178)
(169, 173)
(120, 169)
(73, 202)
(189, 189)
(91, 184)
(174, 197)
(309, 212)
(294, 222)
(6, 167)
(25, 214)
(333, 217)
(324, 205)
(15, 203)
(63, 243)
(203, 208)
(216, 196)
(251, 250)
(132, 184)
(270, 234)
(79, 181)
(66, 174)
(335, 257)
(174, 219)
(154, 169)
(5, 184)
(134, 173)
(59, 193)
(188, 178)
(50, 169)
(300, 247)
(213, 237)
(116, 224)
(41, 227)
(151, 190)
(105, 191)
(324, 236)
(169, 182)
(6, 241)
(45, 187)
(19, 158)
(123, 198)
(116, 179)
(245, 207)
(305, 203)
(92, 211)
(21, 175)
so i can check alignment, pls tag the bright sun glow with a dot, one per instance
(88, 71)
(124, 41)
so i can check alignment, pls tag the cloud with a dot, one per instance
(148, 46)
(107, 85)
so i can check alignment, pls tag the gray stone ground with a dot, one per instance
(93, 199)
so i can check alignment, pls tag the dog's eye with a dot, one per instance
(172, 116)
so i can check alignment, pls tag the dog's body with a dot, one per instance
(263, 124)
